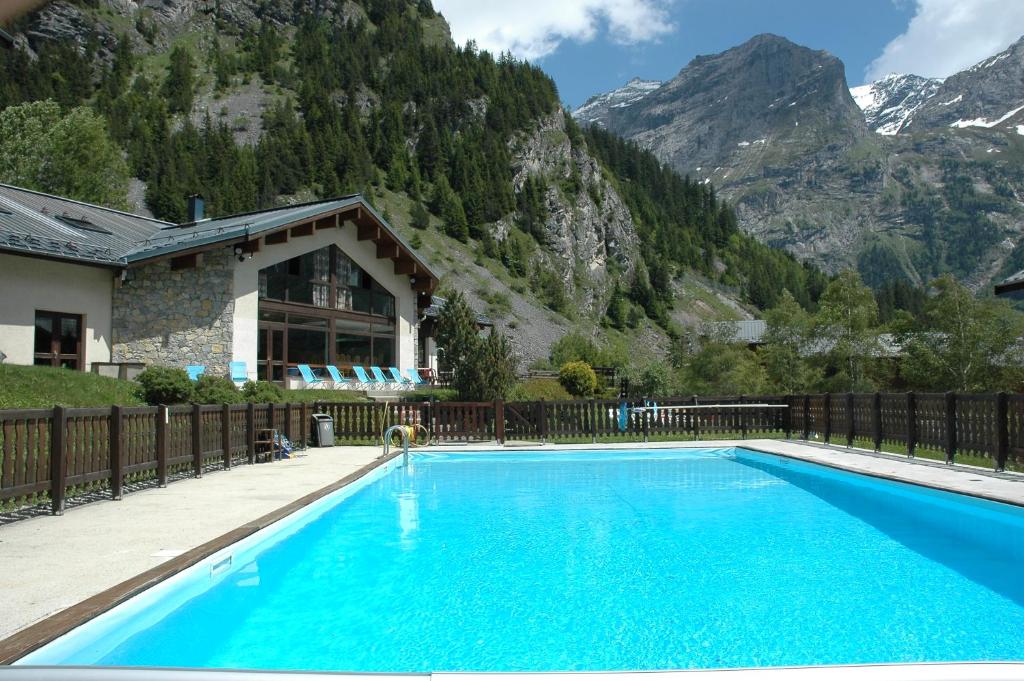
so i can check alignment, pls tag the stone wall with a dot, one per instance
(177, 318)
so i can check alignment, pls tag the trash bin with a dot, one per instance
(323, 429)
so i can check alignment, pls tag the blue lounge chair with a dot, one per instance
(195, 371)
(379, 377)
(336, 376)
(311, 380)
(364, 379)
(239, 372)
(398, 377)
(414, 376)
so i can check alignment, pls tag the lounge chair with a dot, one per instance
(311, 380)
(415, 377)
(195, 371)
(364, 379)
(399, 378)
(239, 372)
(381, 379)
(336, 376)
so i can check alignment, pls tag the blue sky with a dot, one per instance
(591, 46)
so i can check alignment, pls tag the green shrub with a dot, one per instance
(539, 389)
(165, 385)
(428, 394)
(262, 392)
(578, 379)
(216, 390)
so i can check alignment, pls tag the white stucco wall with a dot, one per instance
(364, 253)
(30, 284)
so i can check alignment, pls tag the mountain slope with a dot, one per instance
(258, 102)
(988, 94)
(775, 128)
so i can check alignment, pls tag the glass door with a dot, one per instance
(58, 340)
(270, 354)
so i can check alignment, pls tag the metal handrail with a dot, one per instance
(405, 441)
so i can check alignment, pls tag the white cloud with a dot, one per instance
(946, 36)
(531, 29)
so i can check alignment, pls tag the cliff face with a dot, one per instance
(914, 178)
(582, 236)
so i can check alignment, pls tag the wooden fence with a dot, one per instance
(49, 455)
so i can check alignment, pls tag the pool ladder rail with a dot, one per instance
(405, 441)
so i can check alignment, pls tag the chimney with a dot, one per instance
(195, 208)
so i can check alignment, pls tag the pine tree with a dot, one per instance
(179, 85)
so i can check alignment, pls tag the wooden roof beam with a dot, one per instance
(369, 231)
(388, 250)
(302, 230)
(406, 267)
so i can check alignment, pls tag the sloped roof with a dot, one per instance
(173, 238)
(743, 331)
(42, 225)
(1014, 282)
(437, 304)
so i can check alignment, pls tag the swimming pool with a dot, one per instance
(590, 560)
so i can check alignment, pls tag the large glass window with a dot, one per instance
(321, 308)
(326, 278)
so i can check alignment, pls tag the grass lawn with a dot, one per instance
(24, 387)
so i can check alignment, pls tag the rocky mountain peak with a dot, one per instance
(766, 91)
(596, 109)
(892, 101)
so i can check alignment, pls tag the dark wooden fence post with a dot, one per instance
(288, 421)
(787, 423)
(807, 417)
(163, 419)
(911, 424)
(827, 415)
(197, 441)
(851, 423)
(58, 459)
(644, 412)
(593, 421)
(743, 418)
(543, 421)
(250, 432)
(1002, 432)
(696, 419)
(876, 410)
(116, 451)
(499, 421)
(435, 418)
(225, 435)
(305, 426)
(950, 427)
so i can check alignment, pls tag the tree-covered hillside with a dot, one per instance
(372, 97)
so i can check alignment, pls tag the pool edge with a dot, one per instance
(36, 635)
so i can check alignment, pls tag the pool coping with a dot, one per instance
(36, 635)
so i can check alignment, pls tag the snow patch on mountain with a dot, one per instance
(984, 122)
(890, 102)
(595, 109)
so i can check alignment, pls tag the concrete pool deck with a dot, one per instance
(52, 563)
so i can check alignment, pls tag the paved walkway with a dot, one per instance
(53, 562)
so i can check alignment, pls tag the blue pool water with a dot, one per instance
(656, 559)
